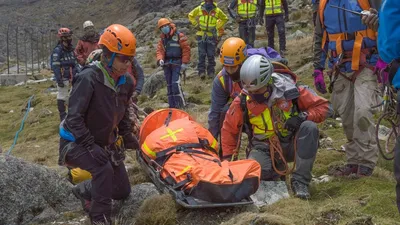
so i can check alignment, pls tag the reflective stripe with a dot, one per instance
(56, 63)
(247, 9)
(148, 150)
(273, 7)
(183, 171)
(171, 134)
(214, 144)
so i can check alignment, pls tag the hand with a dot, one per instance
(130, 141)
(237, 19)
(371, 20)
(286, 18)
(135, 96)
(60, 84)
(261, 21)
(160, 62)
(98, 154)
(383, 76)
(184, 66)
(319, 81)
(293, 123)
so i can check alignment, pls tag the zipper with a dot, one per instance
(344, 18)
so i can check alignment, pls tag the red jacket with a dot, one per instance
(83, 49)
(183, 42)
(318, 110)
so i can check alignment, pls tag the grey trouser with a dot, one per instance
(307, 145)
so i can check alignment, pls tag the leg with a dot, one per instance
(251, 36)
(211, 45)
(100, 186)
(343, 103)
(270, 25)
(121, 185)
(202, 46)
(280, 24)
(260, 153)
(62, 98)
(168, 79)
(177, 93)
(365, 96)
(242, 31)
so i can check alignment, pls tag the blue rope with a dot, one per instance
(22, 125)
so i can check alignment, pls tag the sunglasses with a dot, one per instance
(124, 58)
(66, 38)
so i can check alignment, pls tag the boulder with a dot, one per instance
(152, 84)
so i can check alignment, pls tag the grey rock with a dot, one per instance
(30, 192)
(154, 83)
(304, 69)
(270, 192)
(297, 35)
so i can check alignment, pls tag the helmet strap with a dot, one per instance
(110, 63)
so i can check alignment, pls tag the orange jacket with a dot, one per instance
(183, 42)
(318, 110)
(83, 49)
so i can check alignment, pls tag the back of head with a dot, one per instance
(256, 72)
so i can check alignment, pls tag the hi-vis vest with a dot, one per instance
(273, 7)
(233, 88)
(247, 8)
(262, 124)
(208, 20)
(172, 47)
(344, 31)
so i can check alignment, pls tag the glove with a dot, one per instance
(294, 123)
(319, 81)
(184, 66)
(286, 18)
(135, 96)
(160, 62)
(130, 141)
(261, 21)
(60, 84)
(98, 154)
(371, 20)
(383, 76)
(237, 19)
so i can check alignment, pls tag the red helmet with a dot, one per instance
(64, 32)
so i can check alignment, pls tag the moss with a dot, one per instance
(157, 210)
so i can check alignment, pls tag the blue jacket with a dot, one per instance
(61, 62)
(389, 34)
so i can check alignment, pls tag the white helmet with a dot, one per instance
(88, 24)
(256, 72)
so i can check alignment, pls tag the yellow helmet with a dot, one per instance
(233, 52)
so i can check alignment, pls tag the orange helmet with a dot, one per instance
(64, 32)
(233, 52)
(163, 22)
(119, 39)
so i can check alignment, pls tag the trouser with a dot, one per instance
(108, 181)
(174, 89)
(279, 21)
(206, 46)
(353, 101)
(397, 170)
(307, 145)
(62, 99)
(247, 32)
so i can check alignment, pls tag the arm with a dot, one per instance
(261, 7)
(318, 108)
(230, 129)
(285, 7)
(160, 50)
(319, 53)
(79, 53)
(140, 76)
(192, 16)
(222, 19)
(56, 64)
(219, 98)
(80, 97)
(183, 42)
(231, 9)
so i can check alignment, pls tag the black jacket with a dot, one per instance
(97, 110)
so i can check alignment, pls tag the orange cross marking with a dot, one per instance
(171, 134)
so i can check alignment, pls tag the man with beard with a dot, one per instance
(64, 66)
(97, 128)
(88, 42)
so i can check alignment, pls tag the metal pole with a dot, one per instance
(33, 72)
(8, 51)
(16, 46)
(42, 50)
(26, 53)
(37, 53)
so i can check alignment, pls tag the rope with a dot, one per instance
(22, 125)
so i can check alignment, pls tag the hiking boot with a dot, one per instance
(345, 170)
(85, 203)
(202, 75)
(211, 75)
(364, 171)
(300, 190)
(103, 220)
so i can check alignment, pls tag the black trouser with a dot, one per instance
(247, 32)
(279, 21)
(108, 181)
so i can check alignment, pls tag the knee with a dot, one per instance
(122, 192)
(105, 170)
(309, 127)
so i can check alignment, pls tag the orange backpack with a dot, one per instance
(185, 155)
